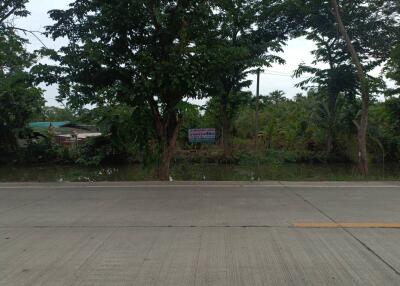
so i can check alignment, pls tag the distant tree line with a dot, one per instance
(137, 63)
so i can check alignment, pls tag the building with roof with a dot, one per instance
(66, 133)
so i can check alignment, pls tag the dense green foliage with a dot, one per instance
(247, 38)
(11, 8)
(154, 56)
(393, 70)
(20, 99)
(296, 129)
(139, 64)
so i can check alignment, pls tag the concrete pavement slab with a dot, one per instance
(351, 205)
(187, 256)
(182, 234)
(160, 207)
(383, 242)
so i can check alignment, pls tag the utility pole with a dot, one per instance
(257, 109)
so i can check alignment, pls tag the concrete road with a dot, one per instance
(272, 233)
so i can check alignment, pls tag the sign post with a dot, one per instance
(202, 135)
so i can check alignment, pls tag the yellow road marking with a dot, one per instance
(346, 225)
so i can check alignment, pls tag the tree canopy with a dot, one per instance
(393, 69)
(154, 55)
(10, 9)
(137, 66)
(20, 98)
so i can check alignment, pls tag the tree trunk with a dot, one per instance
(226, 129)
(362, 126)
(226, 138)
(257, 123)
(331, 132)
(329, 144)
(362, 129)
(167, 144)
(167, 128)
(167, 152)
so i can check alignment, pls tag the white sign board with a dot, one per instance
(202, 135)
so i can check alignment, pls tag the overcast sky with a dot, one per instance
(276, 77)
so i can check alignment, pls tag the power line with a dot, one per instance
(284, 75)
(278, 72)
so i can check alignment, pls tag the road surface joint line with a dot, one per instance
(146, 257)
(198, 258)
(82, 265)
(369, 249)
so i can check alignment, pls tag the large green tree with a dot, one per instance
(370, 15)
(365, 30)
(393, 66)
(139, 53)
(393, 70)
(332, 73)
(250, 34)
(20, 98)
